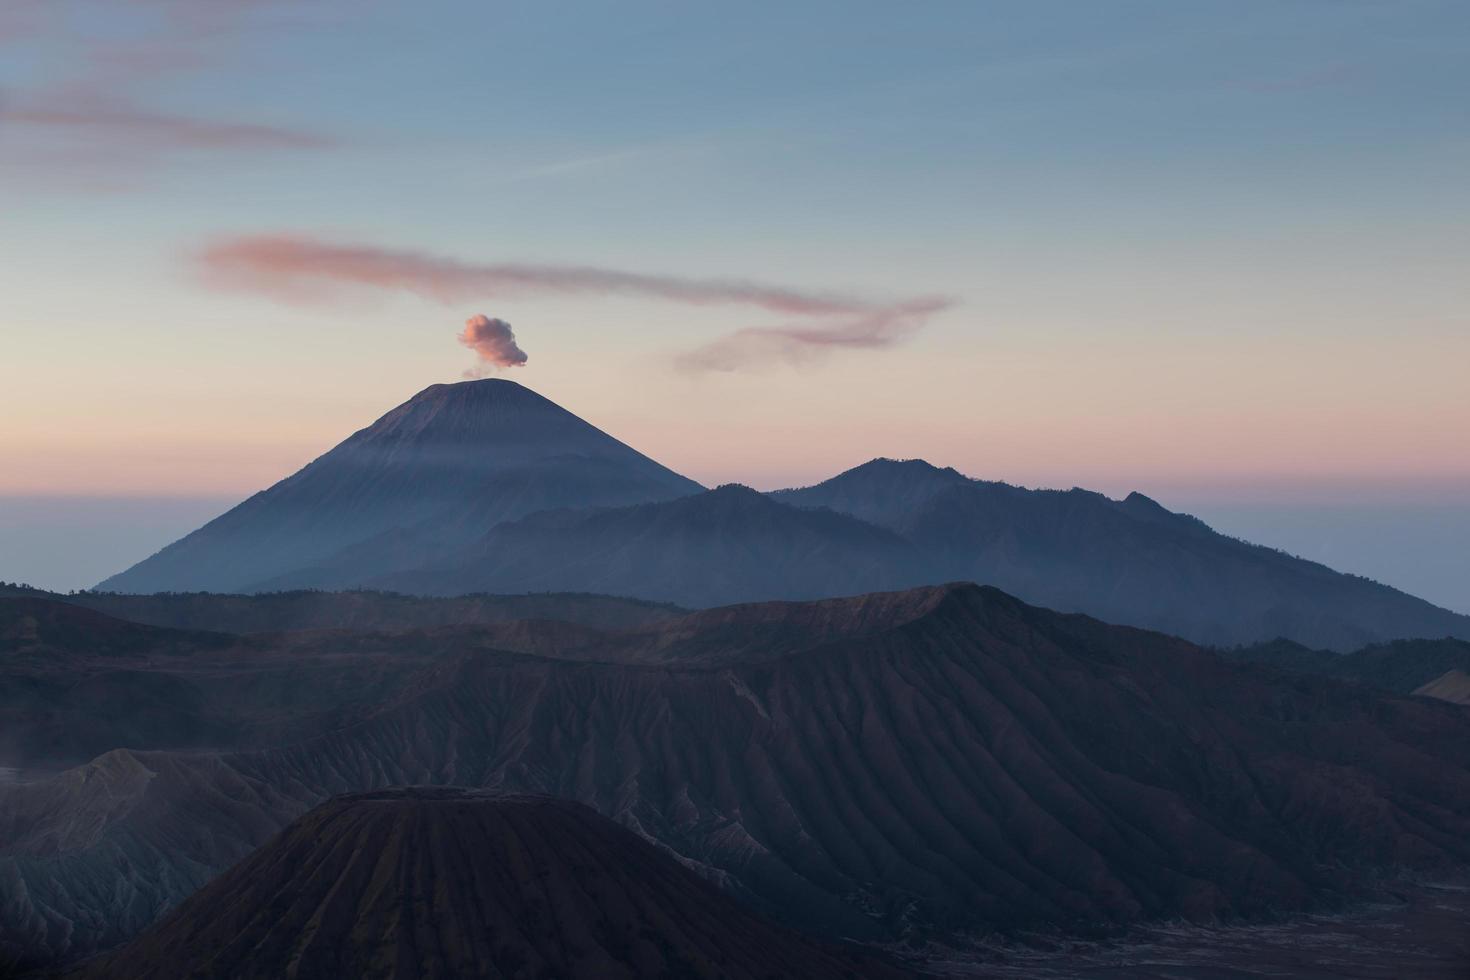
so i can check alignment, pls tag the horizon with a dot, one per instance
(83, 538)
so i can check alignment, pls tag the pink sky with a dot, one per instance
(1199, 250)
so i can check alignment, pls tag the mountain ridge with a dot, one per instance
(930, 766)
(1129, 561)
(488, 487)
(728, 545)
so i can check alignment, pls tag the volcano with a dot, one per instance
(413, 883)
(440, 469)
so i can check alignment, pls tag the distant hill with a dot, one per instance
(75, 683)
(52, 633)
(926, 766)
(723, 546)
(1125, 561)
(447, 465)
(417, 884)
(892, 525)
(1403, 666)
(366, 610)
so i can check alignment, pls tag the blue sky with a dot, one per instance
(1212, 251)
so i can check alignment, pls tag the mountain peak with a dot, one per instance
(736, 491)
(441, 468)
(1148, 509)
(491, 413)
(914, 468)
(897, 476)
(875, 489)
(465, 879)
(478, 388)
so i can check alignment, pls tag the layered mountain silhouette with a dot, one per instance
(75, 683)
(723, 546)
(891, 525)
(412, 884)
(311, 609)
(930, 765)
(453, 461)
(1125, 561)
(485, 486)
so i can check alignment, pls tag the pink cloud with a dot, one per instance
(97, 116)
(493, 340)
(288, 265)
(296, 268)
(113, 121)
(755, 346)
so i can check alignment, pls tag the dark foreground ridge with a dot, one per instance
(929, 766)
(1429, 667)
(360, 609)
(405, 884)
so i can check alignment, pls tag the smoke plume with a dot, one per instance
(493, 341)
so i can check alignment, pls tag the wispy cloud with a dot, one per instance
(119, 121)
(756, 346)
(296, 268)
(105, 114)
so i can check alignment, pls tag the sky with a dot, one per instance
(1215, 251)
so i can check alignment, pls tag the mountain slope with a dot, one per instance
(52, 633)
(1403, 666)
(412, 884)
(444, 466)
(881, 491)
(1452, 686)
(75, 683)
(932, 765)
(723, 546)
(365, 610)
(1129, 561)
